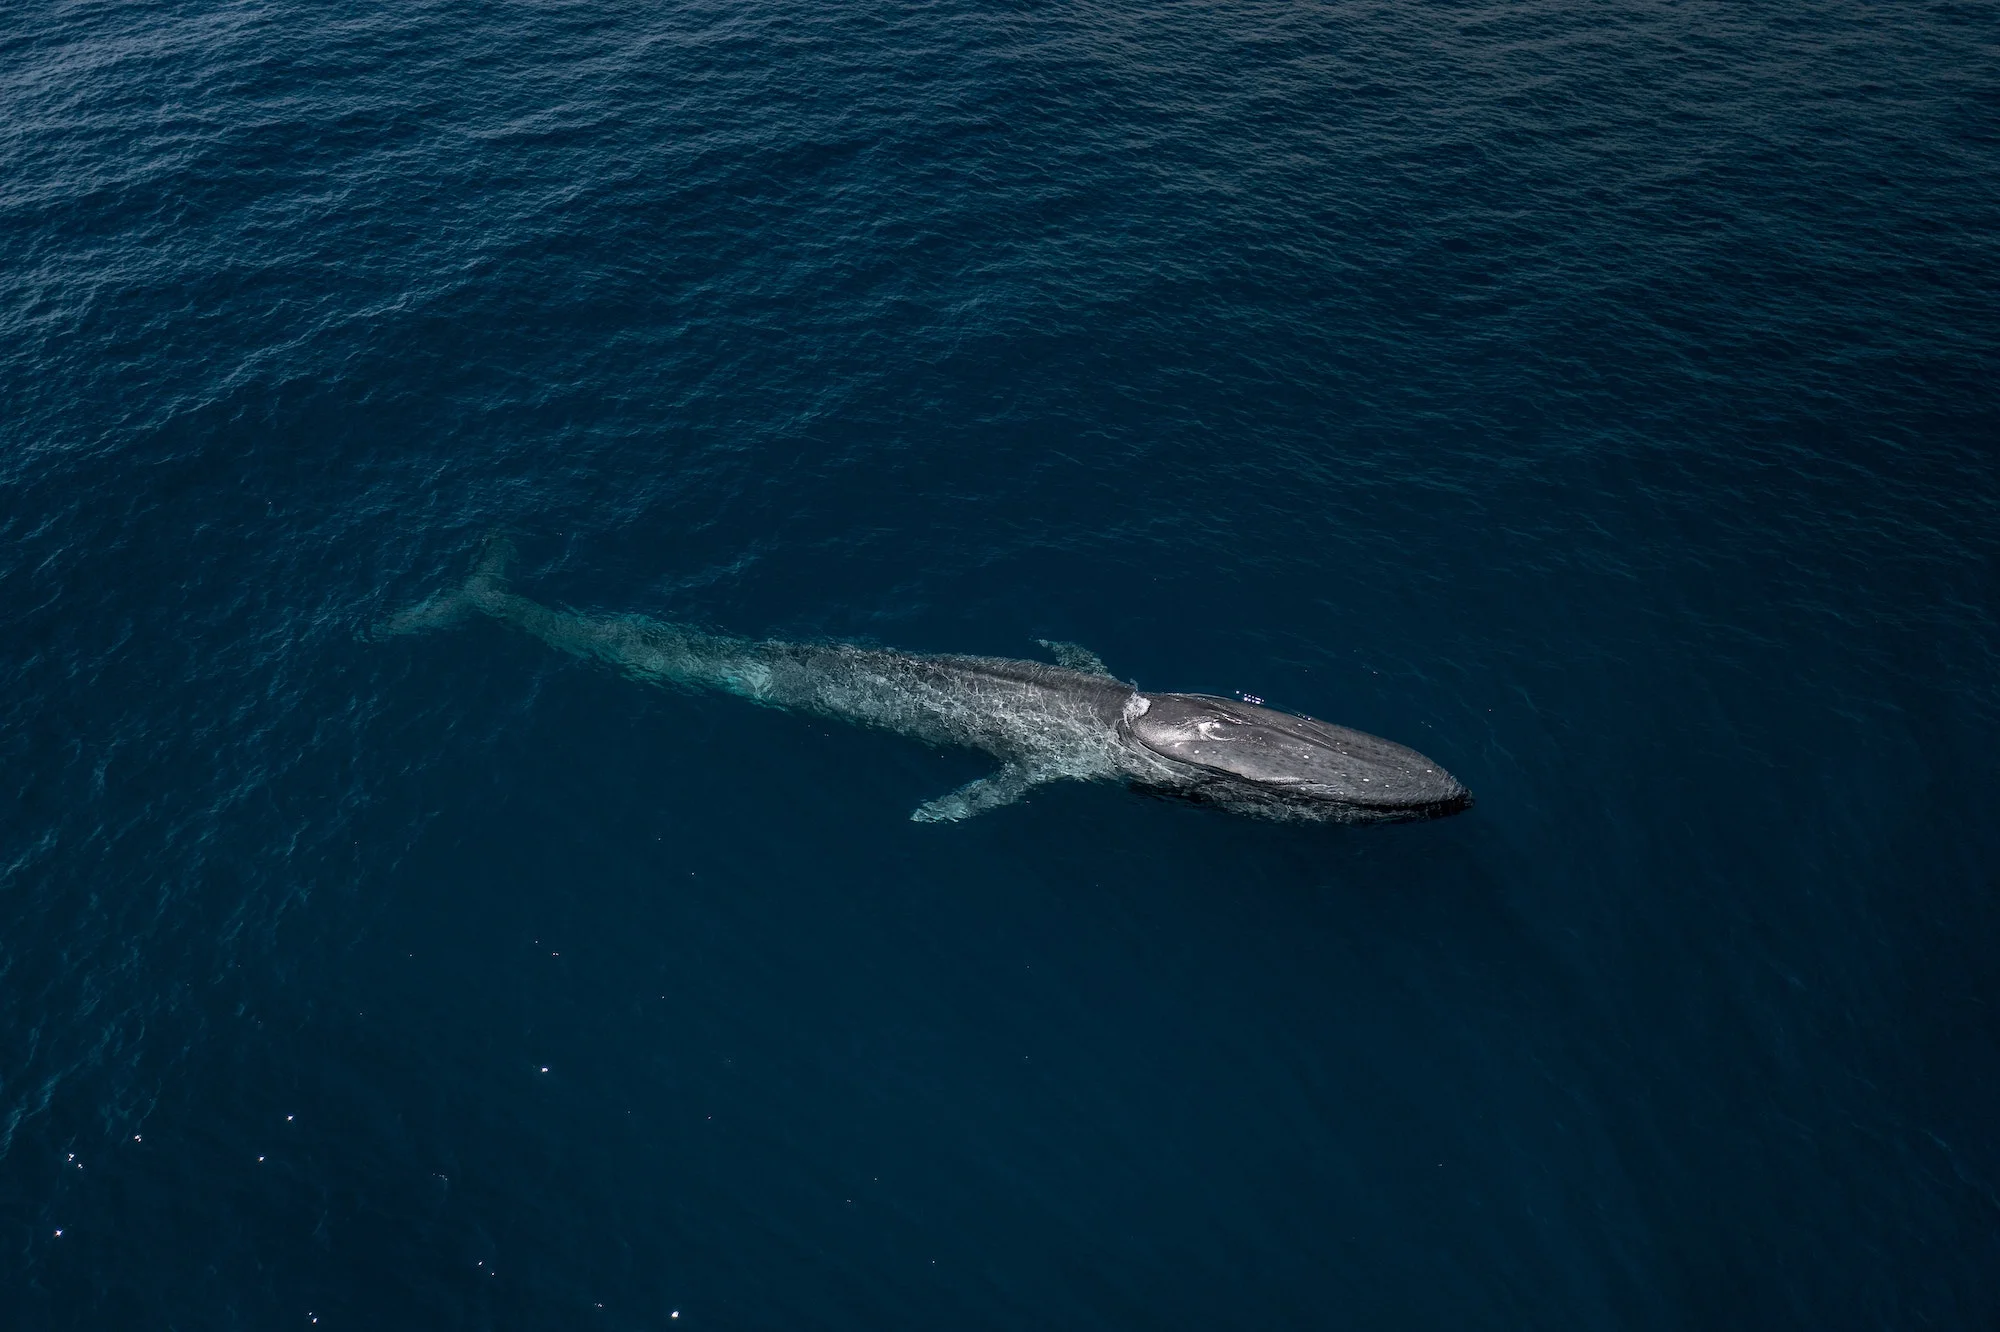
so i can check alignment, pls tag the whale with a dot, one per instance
(1068, 719)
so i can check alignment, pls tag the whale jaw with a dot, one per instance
(1260, 760)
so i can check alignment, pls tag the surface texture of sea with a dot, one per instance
(1599, 398)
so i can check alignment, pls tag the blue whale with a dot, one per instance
(1071, 720)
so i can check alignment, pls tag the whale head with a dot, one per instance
(1244, 755)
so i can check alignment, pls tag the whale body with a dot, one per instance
(1071, 720)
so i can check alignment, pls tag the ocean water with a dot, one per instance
(1600, 399)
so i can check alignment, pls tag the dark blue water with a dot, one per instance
(1600, 399)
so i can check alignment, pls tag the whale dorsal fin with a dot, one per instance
(1075, 657)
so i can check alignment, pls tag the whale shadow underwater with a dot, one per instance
(1067, 721)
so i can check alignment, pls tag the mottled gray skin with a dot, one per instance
(1044, 723)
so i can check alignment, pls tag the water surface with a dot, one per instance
(1599, 400)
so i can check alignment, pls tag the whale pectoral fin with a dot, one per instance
(1075, 657)
(976, 797)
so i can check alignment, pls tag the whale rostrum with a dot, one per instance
(1068, 721)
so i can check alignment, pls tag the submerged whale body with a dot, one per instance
(1070, 720)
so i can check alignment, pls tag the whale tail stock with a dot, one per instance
(484, 586)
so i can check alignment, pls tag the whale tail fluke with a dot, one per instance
(485, 585)
(489, 575)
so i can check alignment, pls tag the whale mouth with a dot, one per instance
(1297, 761)
(1403, 810)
